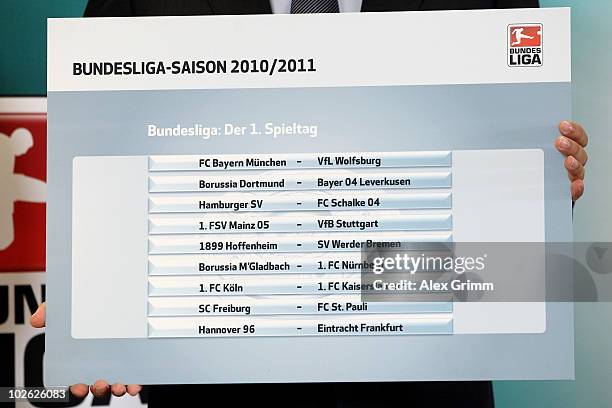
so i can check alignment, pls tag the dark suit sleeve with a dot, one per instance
(109, 8)
(518, 3)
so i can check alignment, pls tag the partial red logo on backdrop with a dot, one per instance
(23, 175)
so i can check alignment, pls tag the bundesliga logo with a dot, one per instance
(525, 45)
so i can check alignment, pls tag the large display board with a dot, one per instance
(210, 200)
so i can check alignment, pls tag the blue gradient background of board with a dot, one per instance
(400, 118)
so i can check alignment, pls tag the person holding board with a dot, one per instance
(571, 142)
